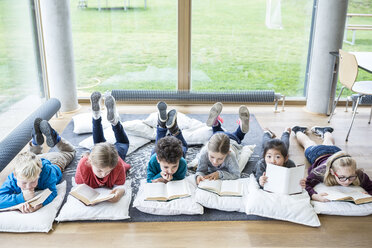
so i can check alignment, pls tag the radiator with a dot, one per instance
(231, 96)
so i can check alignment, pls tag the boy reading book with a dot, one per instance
(222, 187)
(284, 180)
(35, 170)
(167, 162)
(89, 196)
(37, 200)
(166, 191)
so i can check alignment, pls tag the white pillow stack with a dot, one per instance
(180, 206)
(340, 207)
(74, 209)
(135, 142)
(140, 132)
(225, 203)
(83, 123)
(292, 208)
(39, 221)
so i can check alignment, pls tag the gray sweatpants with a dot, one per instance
(62, 158)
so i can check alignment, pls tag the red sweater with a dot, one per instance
(84, 174)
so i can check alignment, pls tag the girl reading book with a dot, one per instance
(104, 166)
(330, 165)
(218, 159)
(275, 151)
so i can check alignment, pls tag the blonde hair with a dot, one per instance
(335, 162)
(104, 155)
(27, 165)
(219, 142)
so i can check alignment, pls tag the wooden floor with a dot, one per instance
(334, 232)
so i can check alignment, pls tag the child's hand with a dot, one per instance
(119, 192)
(213, 176)
(28, 194)
(159, 180)
(166, 176)
(303, 182)
(199, 179)
(263, 179)
(27, 208)
(320, 197)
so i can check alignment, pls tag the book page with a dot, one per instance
(177, 189)
(155, 191)
(40, 198)
(295, 175)
(85, 192)
(277, 179)
(231, 187)
(104, 196)
(346, 193)
(211, 185)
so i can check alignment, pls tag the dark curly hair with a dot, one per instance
(169, 149)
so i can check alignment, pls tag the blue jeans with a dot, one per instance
(162, 132)
(312, 153)
(285, 139)
(122, 141)
(238, 135)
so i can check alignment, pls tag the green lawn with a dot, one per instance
(232, 49)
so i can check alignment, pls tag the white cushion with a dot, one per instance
(244, 155)
(186, 205)
(38, 221)
(340, 207)
(139, 128)
(74, 209)
(292, 208)
(224, 203)
(196, 136)
(135, 142)
(183, 121)
(83, 123)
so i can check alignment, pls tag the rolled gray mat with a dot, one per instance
(12, 144)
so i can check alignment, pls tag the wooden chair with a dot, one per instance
(348, 72)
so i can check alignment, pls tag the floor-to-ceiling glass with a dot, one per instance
(250, 45)
(20, 75)
(124, 44)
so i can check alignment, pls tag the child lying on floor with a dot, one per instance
(36, 171)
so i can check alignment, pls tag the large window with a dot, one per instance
(20, 77)
(116, 48)
(250, 45)
(363, 38)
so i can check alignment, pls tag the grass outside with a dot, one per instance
(232, 49)
(18, 69)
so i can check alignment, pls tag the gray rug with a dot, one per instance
(139, 158)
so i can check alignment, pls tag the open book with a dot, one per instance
(39, 198)
(88, 195)
(222, 187)
(166, 191)
(351, 193)
(284, 180)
